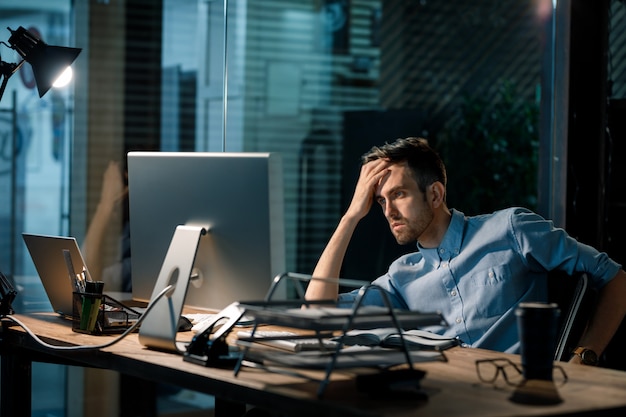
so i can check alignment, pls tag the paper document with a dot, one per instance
(288, 340)
(351, 357)
(390, 337)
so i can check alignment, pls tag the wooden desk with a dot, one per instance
(453, 387)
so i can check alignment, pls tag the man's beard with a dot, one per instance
(411, 231)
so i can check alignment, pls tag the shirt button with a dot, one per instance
(442, 250)
(458, 320)
(490, 274)
(444, 264)
(453, 293)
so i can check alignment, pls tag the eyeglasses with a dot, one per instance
(489, 369)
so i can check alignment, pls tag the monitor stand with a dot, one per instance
(160, 325)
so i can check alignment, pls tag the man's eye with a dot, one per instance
(381, 201)
(399, 194)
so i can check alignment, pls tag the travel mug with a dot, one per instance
(538, 325)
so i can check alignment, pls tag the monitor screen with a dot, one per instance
(238, 196)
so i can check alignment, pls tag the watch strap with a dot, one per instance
(587, 356)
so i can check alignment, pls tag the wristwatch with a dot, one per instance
(587, 356)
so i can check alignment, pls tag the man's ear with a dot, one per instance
(438, 194)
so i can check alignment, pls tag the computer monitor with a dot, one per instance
(237, 196)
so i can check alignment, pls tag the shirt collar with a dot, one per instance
(450, 245)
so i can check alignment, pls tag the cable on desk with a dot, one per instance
(91, 347)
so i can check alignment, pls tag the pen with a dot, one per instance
(86, 274)
(75, 279)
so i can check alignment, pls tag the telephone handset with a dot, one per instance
(214, 351)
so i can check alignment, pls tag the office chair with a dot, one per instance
(575, 298)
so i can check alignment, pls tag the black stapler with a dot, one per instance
(210, 349)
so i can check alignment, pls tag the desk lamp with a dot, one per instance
(49, 63)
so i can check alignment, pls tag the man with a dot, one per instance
(475, 270)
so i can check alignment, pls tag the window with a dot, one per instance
(320, 81)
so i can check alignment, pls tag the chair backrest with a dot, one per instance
(576, 299)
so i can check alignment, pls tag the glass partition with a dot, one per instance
(319, 81)
(322, 81)
(35, 143)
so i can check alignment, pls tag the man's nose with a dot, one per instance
(390, 210)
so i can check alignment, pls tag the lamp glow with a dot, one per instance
(64, 79)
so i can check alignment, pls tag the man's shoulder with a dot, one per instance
(505, 213)
(509, 219)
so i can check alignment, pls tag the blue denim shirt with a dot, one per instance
(484, 267)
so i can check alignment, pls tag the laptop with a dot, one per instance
(47, 253)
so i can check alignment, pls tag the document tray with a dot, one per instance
(324, 316)
(334, 318)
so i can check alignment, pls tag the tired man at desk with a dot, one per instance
(474, 270)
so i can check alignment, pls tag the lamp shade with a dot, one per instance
(48, 62)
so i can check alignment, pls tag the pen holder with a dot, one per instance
(97, 314)
(85, 311)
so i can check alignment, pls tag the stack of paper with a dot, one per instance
(390, 337)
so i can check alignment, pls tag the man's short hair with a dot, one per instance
(425, 163)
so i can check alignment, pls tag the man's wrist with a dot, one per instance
(587, 356)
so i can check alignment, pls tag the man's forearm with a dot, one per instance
(329, 264)
(609, 313)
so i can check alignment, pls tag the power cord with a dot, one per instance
(91, 347)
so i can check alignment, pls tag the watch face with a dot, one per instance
(589, 357)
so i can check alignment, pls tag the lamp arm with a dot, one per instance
(5, 79)
(6, 70)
